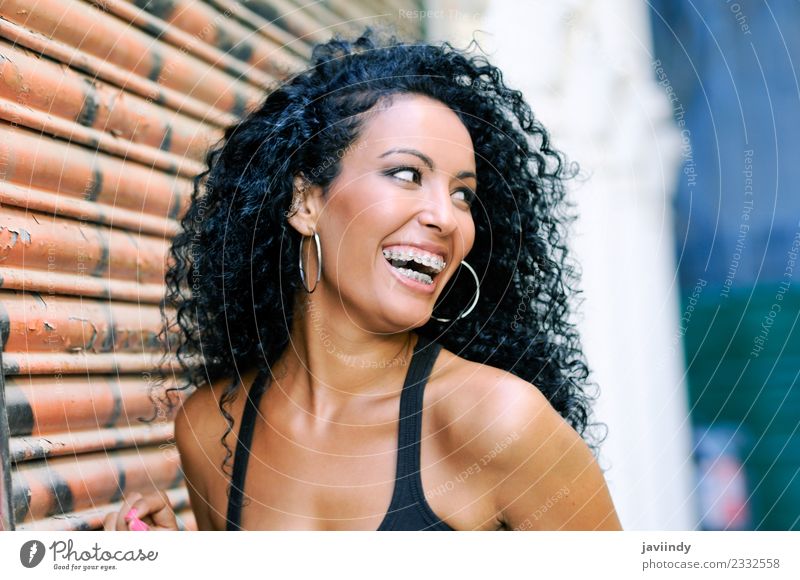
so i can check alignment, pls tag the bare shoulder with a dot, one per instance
(200, 419)
(478, 403)
(545, 476)
(199, 428)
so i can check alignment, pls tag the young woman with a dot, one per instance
(374, 274)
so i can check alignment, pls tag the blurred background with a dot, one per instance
(683, 117)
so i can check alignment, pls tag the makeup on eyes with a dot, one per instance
(469, 193)
(400, 168)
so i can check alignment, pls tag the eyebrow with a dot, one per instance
(426, 160)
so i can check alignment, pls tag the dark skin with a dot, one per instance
(494, 454)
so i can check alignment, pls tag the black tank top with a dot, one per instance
(408, 509)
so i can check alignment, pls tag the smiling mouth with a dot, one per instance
(414, 269)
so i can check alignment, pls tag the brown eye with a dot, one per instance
(468, 195)
(407, 174)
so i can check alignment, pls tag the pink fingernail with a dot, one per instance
(138, 525)
(131, 515)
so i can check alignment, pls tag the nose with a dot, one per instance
(439, 212)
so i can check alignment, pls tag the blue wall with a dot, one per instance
(731, 69)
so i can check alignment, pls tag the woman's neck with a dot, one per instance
(331, 365)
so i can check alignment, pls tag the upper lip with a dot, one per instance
(427, 246)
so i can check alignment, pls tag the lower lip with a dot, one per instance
(413, 284)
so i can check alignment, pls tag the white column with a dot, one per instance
(586, 69)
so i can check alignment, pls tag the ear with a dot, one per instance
(307, 204)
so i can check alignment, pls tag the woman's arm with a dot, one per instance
(190, 424)
(546, 476)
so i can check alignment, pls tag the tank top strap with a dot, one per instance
(411, 400)
(240, 459)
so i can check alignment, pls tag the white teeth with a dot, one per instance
(418, 256)
(418, 276)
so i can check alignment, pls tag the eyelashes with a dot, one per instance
(469, 194)
(394, 171)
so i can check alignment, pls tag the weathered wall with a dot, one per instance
(106, 110)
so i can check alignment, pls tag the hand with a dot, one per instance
(142, 513)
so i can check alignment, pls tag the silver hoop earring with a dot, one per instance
(474, 300)
(319, 262)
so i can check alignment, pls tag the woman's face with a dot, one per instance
(406, 185)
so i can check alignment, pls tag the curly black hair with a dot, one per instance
(233, 275)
